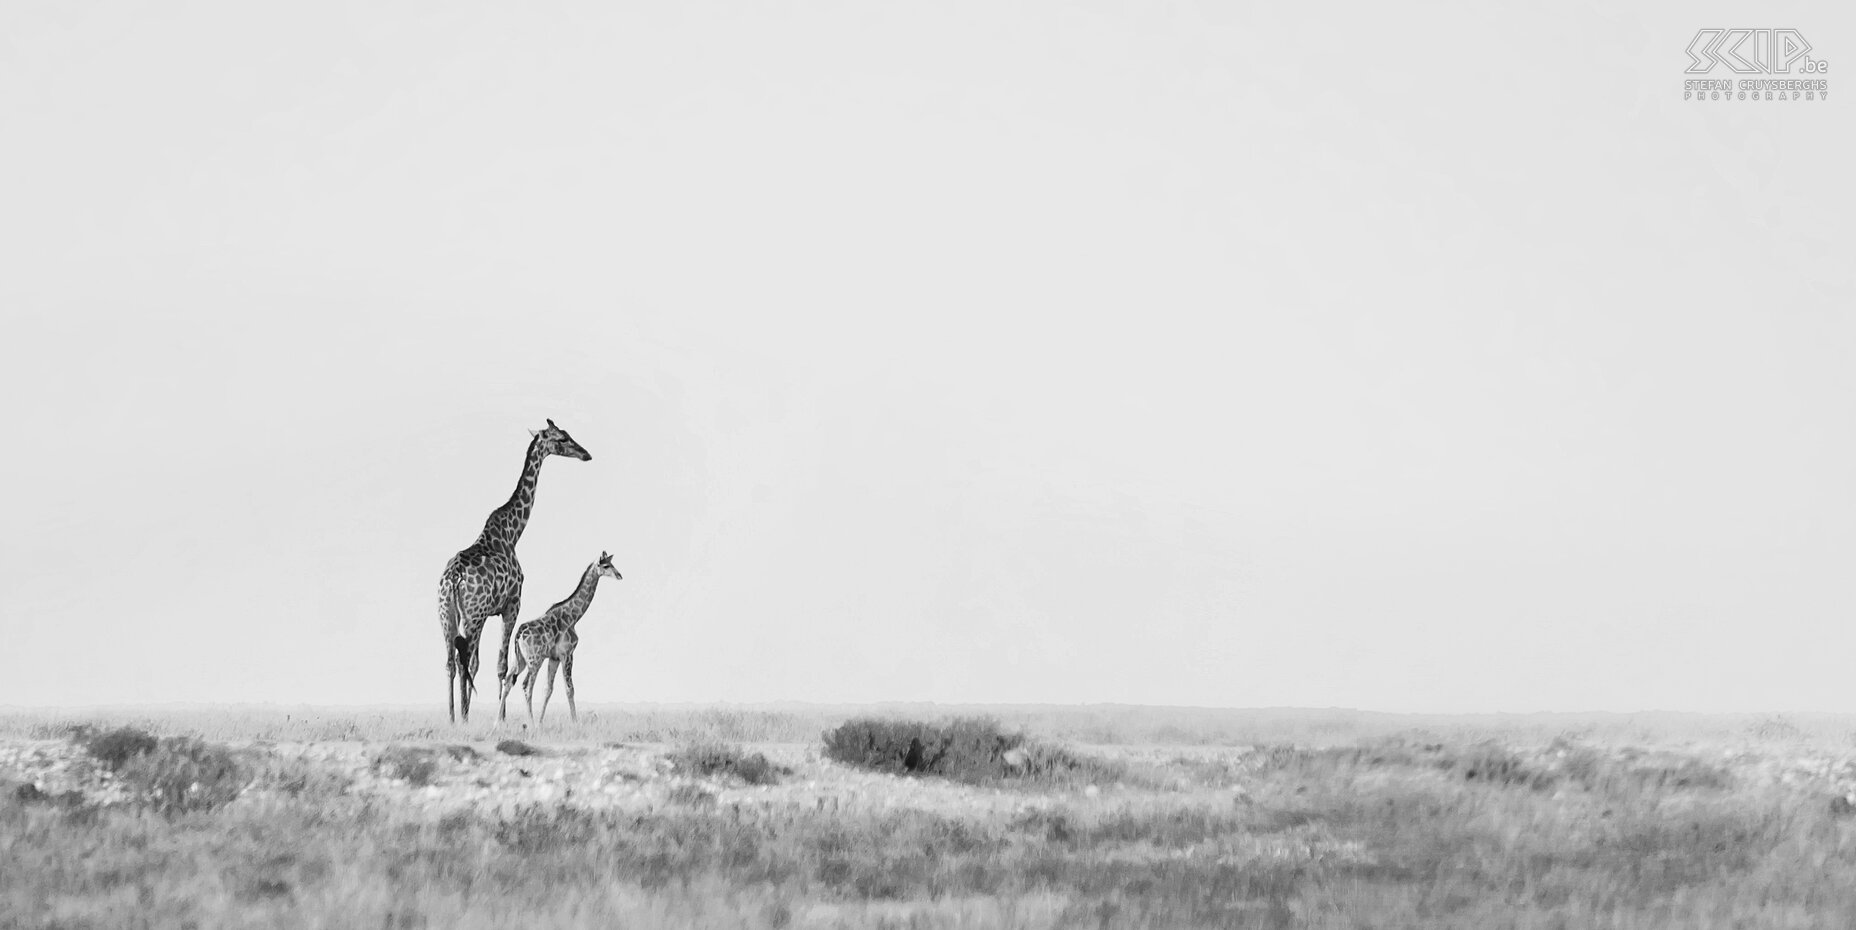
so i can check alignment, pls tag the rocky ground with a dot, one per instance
(439, 776)
(442, 776)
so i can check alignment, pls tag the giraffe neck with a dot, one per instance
(506, 523)
(575, 606)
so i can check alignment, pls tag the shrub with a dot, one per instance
(29, 793)
(417, 766)
(182, 774)
(115, 747)
(971, 749)
(515, 747)
(722, 759)
(171, 775)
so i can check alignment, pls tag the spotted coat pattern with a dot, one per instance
(551, 638)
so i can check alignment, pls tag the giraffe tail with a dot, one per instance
(462, 646)
(513, 658)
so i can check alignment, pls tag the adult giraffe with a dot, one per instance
(485, 577)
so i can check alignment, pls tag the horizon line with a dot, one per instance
(995, 705)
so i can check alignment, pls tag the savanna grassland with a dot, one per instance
(899, 816)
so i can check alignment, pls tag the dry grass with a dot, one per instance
(1103, 725)
(1434, 828)
(322, 724)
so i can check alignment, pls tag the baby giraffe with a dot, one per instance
(551, 638)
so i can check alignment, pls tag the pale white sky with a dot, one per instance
(1433, 358)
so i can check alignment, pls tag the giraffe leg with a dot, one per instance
(528, 687)
(512, 613)
(451, 677)
(470, 649)
(554, 665)
(458, 670)
(508, 684)
(567, 673)
(448, 628)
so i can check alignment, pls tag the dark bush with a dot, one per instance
(172, 775)
(417, 766)
(29, 793)
(969, 749)
(515, 747)
(183, 774)
(708, 759)
(114, 747)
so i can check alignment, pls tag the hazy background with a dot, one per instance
(1441, 359)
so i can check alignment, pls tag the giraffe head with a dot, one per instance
(606, 568)
(555, 441)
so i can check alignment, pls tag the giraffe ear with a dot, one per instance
(533, 433)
